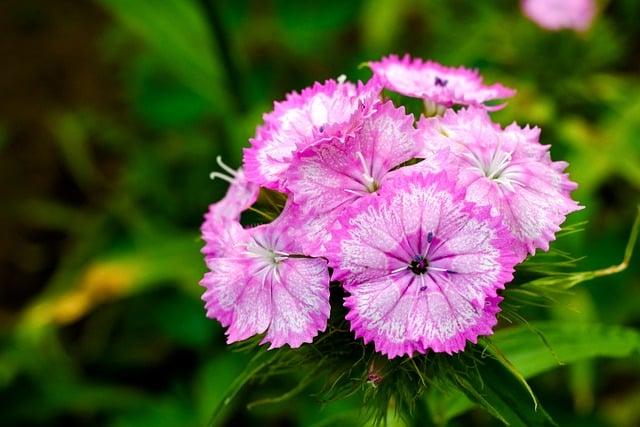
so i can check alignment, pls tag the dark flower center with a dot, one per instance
(441, 82)
(419, 265)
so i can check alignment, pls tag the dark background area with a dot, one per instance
(111, 115)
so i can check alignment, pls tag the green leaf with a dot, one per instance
(568, 343)
(213, 379)
(257, 363)
(495, 385)
(177, 32)
(565, 343)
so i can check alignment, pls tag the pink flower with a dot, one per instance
(332, 175)
(334, 109)
(560, 14)
(264, 283)
(221, 223)
(421, 265)
(436, 83)
(509, 170)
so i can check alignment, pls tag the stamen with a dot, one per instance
(276, 273)
(475, 160)
(369, 181)
(433, 108)
(252, 254)
(499, 163)
(398, 270)
(363, 162)
(214, 175)
(342, 78)
(441, 82)
(430, 236)
(225, 167)
(423, 287)
(354, 192)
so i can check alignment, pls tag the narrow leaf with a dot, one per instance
(492, 384)
(565, 343)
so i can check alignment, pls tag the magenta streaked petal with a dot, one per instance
(323, 111)
(505, 169)
(422, 266)
(437, 83)
(300, 302)
(332, 175)
(263, 283)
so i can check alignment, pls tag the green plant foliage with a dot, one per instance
(494, 384)
(539, 347)
(177, 29)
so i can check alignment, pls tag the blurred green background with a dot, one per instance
(111, 115)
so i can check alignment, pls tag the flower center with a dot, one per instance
(262, 251)
(499, 162)
(492, 166)
(419, 264)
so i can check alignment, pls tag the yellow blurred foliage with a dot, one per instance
(100, 282)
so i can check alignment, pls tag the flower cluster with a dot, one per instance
(421, 221)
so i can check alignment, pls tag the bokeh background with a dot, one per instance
(111, 115)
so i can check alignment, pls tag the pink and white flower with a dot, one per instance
(264, 283)
(509, 170)
(422, 266)
(334, 109)
(560, 14)
(436, 83)
(330, 176)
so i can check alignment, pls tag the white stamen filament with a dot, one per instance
(276, 273)
(496, 169)
(369, 181)
(225, 167)
(421, 278)
(475, 160)
(398, 270)
(219, 175)
(354, 192)
(499, 163)
(229, 178)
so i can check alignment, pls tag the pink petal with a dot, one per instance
(454, 299)
(435, 82)
(323, 111)
(300, 302)
(326, 178)
(508, 170)
(265, 284)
